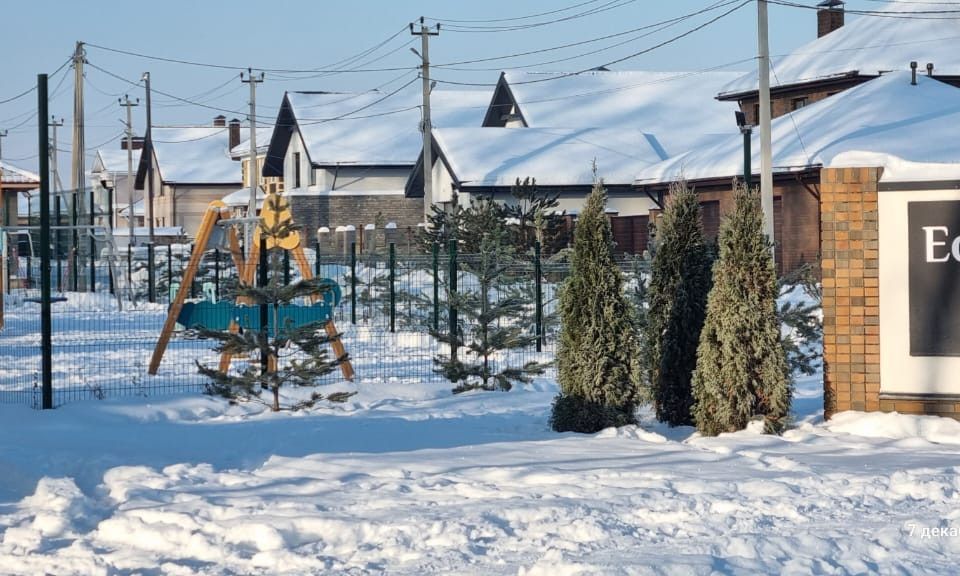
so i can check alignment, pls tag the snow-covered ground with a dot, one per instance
(405, 478)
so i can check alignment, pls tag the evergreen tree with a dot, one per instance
(597, 356)
(679, 284)
(296, 356)
(534, 217)
(489, 316)
(741, 369)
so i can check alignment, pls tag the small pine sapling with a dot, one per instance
(489, 316)
(296, 356)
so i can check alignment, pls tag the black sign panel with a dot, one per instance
(934, 254)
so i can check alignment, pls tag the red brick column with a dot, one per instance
(850, 267)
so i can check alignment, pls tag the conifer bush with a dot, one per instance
(677, 301)
(741, 372)
(598, 364)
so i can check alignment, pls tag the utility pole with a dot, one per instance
(427, 128)
(766, 150)
(4, 212)
(4, 221)
(131, 217)
(252, 172)
(57, 191)
(148, 149)
(148, 209)
(77, 176)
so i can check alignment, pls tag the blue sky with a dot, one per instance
(39, 36)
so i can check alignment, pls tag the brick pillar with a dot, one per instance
(850, 266)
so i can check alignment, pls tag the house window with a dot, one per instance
(756, 114)
(798, 103)
(296, 169)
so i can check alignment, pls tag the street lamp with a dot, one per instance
(747, 131)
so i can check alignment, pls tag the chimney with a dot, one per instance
(234, 133)
(930, 69)
(829, 16)
(220, 121)
(136, 141)
(913, 73)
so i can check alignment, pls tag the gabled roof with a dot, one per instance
(242, 150)
(908, 130)
(10, 174)
(114, 160)
(676, 106)
(487, 157)
(867, 46)
(368, 128)
(192, 155)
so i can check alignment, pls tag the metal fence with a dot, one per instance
(105, 330)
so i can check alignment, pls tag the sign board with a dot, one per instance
(919, 291)
(934, 277)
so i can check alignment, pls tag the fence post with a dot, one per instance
(452, 284)
(264, 311)
(29, 271)
(393, 287)
(538, 282)
(436, 286)
(193, 283)
(169, 267)
(316, 260)
(353, 282)
(151, 275)
(286, 267)
(129, 265)
(46, 321)
(216, 273)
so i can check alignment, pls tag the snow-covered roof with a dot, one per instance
(361, 129)
(678, 107)
(195, 155)
(10, 174)
(554, 156)
(242, 150)
(868, 45)
(115, 160)
(908, 130)
(241, 198)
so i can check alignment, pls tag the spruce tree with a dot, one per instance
(679, 284)
(490, 313)
(297, 356)
(535, 217)
(741, 369)
(597, 357)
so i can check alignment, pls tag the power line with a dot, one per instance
(494, 20)
(714, 6)
(241, 68)
(657, 46)
(611, 5)
(32, 88)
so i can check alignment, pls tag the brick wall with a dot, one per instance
(312, 212)
(850, 268)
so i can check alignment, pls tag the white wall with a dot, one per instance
(899, 371)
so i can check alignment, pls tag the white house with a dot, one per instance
(345, 158)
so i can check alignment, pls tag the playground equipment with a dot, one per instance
(230, 316)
